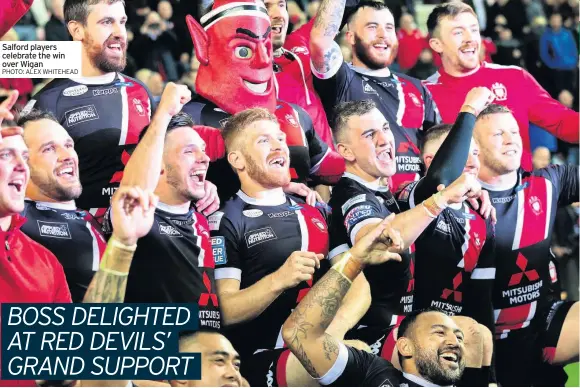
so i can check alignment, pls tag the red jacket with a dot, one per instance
(515, 88)
(23, 85)
(410, 46)
(294, 79)
(10, 12)
(29, 273)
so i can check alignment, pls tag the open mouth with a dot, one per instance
(257, 88)
(381, 47)
(277, 29)
(510, 153)
(198, 177)
(279, 162)
(67, 172)
(117, 47)
(17, 185)
(386, 155)
(450, 358)
(468, 51)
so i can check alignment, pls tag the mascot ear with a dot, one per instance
(199, 38)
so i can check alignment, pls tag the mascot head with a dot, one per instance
(234, 50)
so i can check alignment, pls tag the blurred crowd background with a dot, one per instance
(539, 35)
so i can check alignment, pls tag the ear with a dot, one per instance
(237, 160)
(405, 347)
(178, 383)
(345, 152)
(436, 45)
(427, 159)
(350, 37)
(199, 37)
(76, 30)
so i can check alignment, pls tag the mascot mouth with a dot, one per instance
(258, 88)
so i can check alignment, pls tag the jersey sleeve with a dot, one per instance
(549, 114)
(355, 368)
(565, 179)
(359, 211)
(405, 197)
(432, 116)
(225, 246)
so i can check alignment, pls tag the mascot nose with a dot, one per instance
(263, 57)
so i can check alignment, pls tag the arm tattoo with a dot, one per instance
(106, 288)
(329, 17)
(330, 346)
(328, 59)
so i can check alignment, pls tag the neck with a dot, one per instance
(255, 190)
(34, 194)
(88, 69)
(5, 222)
(384, 72)
(501, 182)
(457, 71)
(359, 172)
(168, 196)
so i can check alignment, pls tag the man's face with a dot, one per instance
(500, 143)
(53, 162)
(373, 37)
(407, 22)
(220, 363)
(459, 41)
(438, 348)
(279, 20)
(165, 9)
(266, 154)
(556, 21)
(14, 175)
(185, 163)
(105, 36)
(240, 65)
(372, 144)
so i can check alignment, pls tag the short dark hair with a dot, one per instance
(235, 125)
(78, 10)
(434, 133)
(344, 111)
(35, 115)
(407, 324)
(351, 11)
(181, 119)
(493, 109)
(444, 10)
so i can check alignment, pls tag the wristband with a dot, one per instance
(431, 215)
(348, 267)
(469, 108)
(118, 244)
(432, 207)
(117, 257)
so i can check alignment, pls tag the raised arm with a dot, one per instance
(145, 164)
(323, 49)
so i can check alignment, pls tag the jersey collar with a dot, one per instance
(174, 209)
(96, 80)
(374, 186)
(372, 73)
(274, 197)
(55, 205)
(502, 187)
(420, 381)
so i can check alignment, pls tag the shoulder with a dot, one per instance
(433, 80)
(54, 87)
(511, 70)
(230, 213)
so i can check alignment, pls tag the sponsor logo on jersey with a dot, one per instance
(522, 186)
(214, 220)
(81, 114)
(139, 107)
(281, 214)
(443, 226)
(218, 246)
(503, 199)
(368, 89)
(43, 207)
(354, 200)
(270, 376)
(469, 216)
(356, 214)
(386, 84)
(386, 383)
(536, 205)
(500, 91)
(105, 92)
(319, 224)
(168, 230)
(376, 347)
(121, 83)
(253, 213)
(72, 216)
(414, 98)
(291, 120)
(54, 229)
(295, 208)
(300, 50)
(259, 236)
(75, 91)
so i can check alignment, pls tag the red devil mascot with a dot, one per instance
(233, 46)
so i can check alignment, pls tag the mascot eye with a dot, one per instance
(243, 52)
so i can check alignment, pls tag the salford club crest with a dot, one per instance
(500, 91)
(291, 120)
(536, 205)
(138, 106)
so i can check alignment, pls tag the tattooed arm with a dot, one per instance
(305, 330)
(132, 211)
(323, 49)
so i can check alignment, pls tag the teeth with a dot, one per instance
(256, 88)
(279, 161)
(19, 182)
(451, 356)
(385, 155)
(67, 170)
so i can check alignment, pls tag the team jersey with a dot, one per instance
(72, 235)
(356, 203)
(357, 368)
(454, 261)
(251, 239)
(174, 263)
(104, 116)
(294, 79)
(525, 218)
(405, 103)
(309, 156)
(513, 87)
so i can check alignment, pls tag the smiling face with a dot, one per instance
(54, 163)
(458, 41)
(14, 175)
(239, 74)
(373, 37)
(500, 143)
(279, 20)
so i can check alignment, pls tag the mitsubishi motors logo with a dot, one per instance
(456, 294)
(522, 264)
(206, 296)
